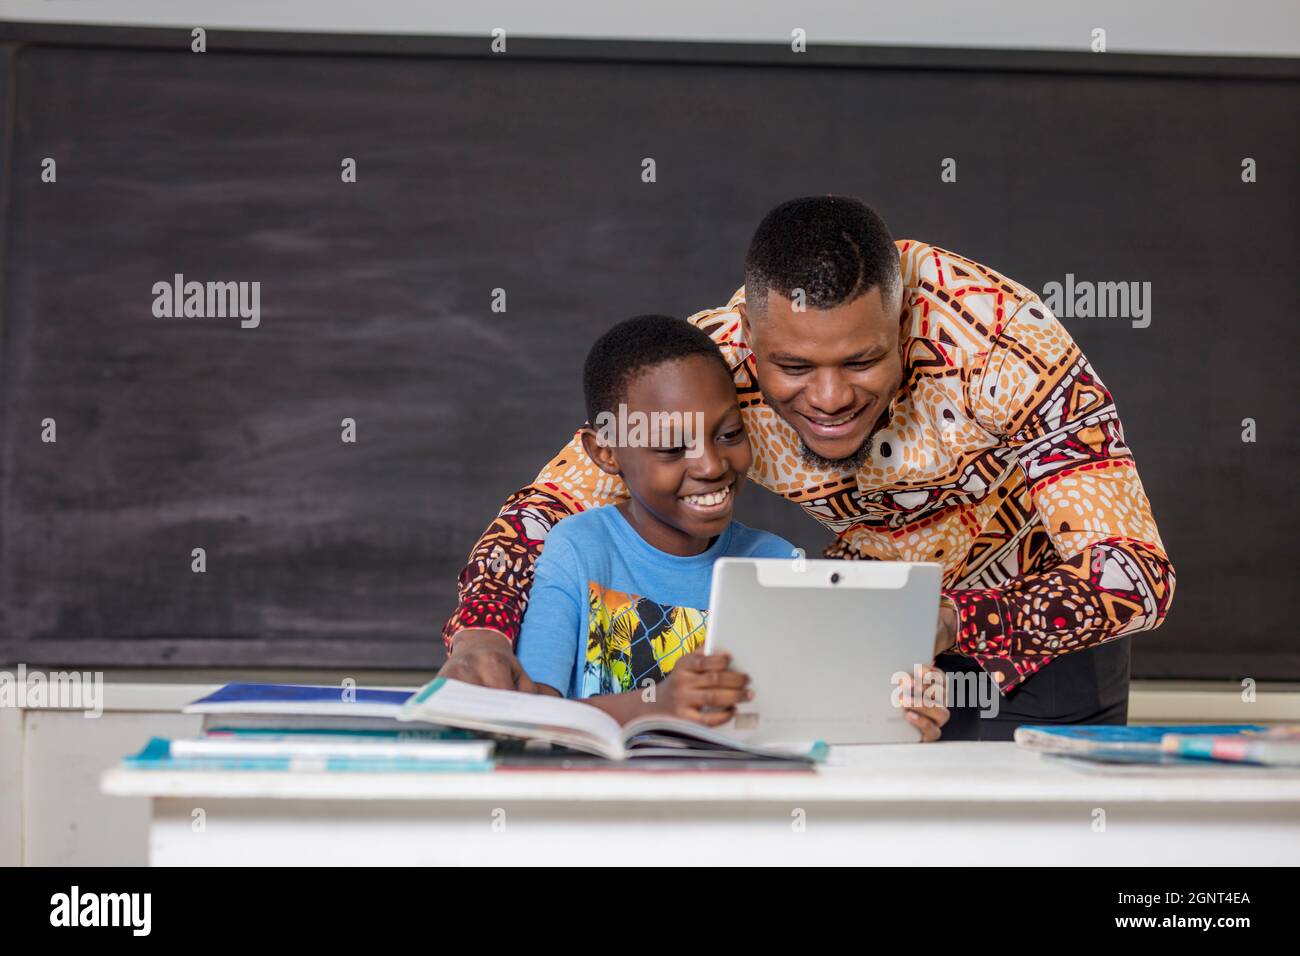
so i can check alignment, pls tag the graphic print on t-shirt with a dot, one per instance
(631, 639)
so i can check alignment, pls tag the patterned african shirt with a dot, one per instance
(1003, 459)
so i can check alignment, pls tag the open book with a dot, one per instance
(580, 726)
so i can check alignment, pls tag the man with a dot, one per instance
(923, 408)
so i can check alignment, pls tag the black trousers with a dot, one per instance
(1085, 687)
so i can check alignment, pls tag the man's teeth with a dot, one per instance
(834, 421)
(707, 501)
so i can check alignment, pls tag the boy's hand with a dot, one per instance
(703, 680)
(923, 707)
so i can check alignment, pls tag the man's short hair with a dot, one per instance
(834, 248)
(635, 346)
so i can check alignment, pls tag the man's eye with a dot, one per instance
(793, 369)
(867, 364)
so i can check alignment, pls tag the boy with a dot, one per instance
(620, 592)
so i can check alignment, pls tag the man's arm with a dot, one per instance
(1040, 393)
(494, 584)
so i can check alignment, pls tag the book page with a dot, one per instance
(688, 728)
(457, 704)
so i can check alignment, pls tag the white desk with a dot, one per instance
(944, 804)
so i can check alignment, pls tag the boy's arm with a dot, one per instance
(625, 706)
(622, 707)
(552, 630)
(702, 687)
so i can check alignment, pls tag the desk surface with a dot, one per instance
(950, 772)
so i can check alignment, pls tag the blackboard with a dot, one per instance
(476, 173)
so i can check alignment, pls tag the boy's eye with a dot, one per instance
(671, 452)
(734, 434)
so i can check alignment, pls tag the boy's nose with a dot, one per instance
(709, 463)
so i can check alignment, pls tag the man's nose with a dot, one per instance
(829, 392)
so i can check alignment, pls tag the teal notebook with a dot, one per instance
(1084, 738)
(157, 755)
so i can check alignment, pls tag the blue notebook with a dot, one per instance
(299, 699)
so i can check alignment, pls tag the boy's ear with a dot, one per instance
(603, 455)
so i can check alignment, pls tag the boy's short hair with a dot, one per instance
(634, 346)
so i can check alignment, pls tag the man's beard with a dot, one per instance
(853, 462)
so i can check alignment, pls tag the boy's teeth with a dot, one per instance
(713, 498)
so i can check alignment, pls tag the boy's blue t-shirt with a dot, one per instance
(608, 611)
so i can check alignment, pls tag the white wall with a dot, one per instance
(1226, 27)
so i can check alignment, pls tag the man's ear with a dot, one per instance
(603, 455)
(744, 323)
(904, 320)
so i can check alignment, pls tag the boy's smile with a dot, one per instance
(679, 502)
(709, 504)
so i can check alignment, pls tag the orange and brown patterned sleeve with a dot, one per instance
(493, 586)
(1040, 393)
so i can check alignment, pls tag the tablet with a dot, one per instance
(822, 642)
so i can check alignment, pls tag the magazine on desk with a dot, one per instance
(580, 726)
(1167, 745)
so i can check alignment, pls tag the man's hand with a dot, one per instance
(703, 680)
(923, 707)
(486, 658)
(945, 635)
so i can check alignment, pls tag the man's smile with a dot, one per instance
(836, 427)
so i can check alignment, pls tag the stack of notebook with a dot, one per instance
(447, 725)
(1167, 745)
(298, 728)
